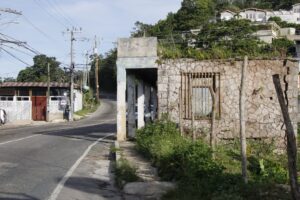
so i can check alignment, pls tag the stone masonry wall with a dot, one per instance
(263, 112)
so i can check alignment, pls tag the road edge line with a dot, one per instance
(69, 173)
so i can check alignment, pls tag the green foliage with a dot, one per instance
(89, 103)
(216, 40)
(193, 13)
(201, 177)
(38, 72)
(107, 72)
(125, 173)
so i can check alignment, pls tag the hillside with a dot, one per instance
(215, 39)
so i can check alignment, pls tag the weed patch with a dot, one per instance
(199, 176)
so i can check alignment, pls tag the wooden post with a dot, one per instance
(48, 93)
(180, 110)
(214, 95)
(291, 140)
(242, 121)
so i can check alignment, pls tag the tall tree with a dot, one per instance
(107, 72)
(194, 13)
(38, 72)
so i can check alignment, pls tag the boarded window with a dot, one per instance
(196, 90)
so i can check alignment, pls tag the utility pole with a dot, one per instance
(72, 68)
(48, 94)
(96, 71)
(86, 73)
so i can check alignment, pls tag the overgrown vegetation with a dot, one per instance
(90, 104)
(107, 72)
(125, 173)
(38, 72)
(202, 177)
(215, 39)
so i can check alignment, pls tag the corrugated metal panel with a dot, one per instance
(35, 84)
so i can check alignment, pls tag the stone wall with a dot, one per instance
(263, 112)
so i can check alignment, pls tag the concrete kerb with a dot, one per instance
(116, 151)
(143, 189)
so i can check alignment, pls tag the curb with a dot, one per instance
(116, 152)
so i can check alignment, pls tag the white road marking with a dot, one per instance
(61, 184)
(54, 131)
(17, 140)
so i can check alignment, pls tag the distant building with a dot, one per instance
(227, 15)
(26, 101)
(254, 15)
(260, 15)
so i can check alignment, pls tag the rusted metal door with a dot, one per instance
(39, 104)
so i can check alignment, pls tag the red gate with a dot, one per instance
(39, 107)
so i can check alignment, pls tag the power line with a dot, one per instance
(15, 57)
(17, 50)
(49, 14)
(60, 12)
(11, 11)
(38, 29)
(19, 43)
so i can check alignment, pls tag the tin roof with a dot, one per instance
(33, 84)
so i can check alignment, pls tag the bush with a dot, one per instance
(200, 176)
(125, 173)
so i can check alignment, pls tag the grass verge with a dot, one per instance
(199, 176)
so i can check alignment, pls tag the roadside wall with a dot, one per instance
(263, 112)
(17, 110)
(78, 101)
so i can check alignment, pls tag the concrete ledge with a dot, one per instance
(149, 187)
(147, 190)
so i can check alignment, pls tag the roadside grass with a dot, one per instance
(87, 110)
(89, 104)
(125, 173)
(200, 176)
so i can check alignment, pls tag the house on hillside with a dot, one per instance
(254, 15)
(227, 15)
(184, 89)
(26, 101)
(261, 15)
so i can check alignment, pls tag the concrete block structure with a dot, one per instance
(26, 101)
(136, 77)
(183, 88)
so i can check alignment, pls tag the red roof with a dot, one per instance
(34, 84)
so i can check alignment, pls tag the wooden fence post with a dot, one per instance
(291, 140)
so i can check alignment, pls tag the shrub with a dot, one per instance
(200, 176)
(125, 173)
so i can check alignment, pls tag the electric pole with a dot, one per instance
(72, 68)
(48, 94)
(96, 71)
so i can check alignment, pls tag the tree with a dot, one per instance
(38, 72)
(194, 13)
(107, 72)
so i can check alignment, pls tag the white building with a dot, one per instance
(260, 15)
(227, 15)
(253, 14)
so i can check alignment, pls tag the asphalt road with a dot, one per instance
(33, 159)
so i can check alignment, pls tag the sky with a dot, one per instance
(43, 26)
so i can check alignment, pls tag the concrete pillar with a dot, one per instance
(131, 102)
(154, 101)
(147, 103)
(140, 105)
(121, 104)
